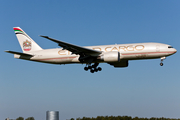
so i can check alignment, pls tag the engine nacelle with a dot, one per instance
(122, 63)
(113, 56)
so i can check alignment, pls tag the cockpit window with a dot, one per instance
(170, 47)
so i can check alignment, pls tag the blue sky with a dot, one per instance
(144, 89)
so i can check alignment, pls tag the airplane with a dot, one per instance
(116, 55)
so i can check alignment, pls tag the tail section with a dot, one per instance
(27, 44)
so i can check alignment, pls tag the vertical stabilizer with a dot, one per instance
(27, 44)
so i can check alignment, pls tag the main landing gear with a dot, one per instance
(163, 58)
(93, 68)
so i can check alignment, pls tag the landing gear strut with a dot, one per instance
(93, 68)
(163, 58)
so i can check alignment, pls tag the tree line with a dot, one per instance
(122, 118)
(110, 118)
(21, 118)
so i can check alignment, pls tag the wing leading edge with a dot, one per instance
(74, 48)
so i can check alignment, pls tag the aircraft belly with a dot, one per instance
(63, 60)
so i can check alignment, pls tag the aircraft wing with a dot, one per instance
(74, 48)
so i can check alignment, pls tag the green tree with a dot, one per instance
(72, 119)
(30, 118)
(78, 118)
(20, 118)
(122, 118)
(136, 118)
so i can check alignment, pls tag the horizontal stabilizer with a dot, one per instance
(18, 53)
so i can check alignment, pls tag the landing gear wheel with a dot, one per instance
(96, 70)
(162, 58)
(86, 68)
(99, 68)
(92, 71)
(161, 64)
(92, 68)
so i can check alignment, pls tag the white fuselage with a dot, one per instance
(117, 55)
(127, 52)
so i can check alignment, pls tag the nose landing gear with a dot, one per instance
(163, 58)
(93, 68)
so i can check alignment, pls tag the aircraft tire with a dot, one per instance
(99, 68)
(86, 68)
(96, 70)
(92, 71)
(161, 64)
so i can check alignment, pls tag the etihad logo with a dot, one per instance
(109, 49)
(121, 48)
(27, 45)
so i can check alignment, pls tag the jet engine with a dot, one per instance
(113, 56)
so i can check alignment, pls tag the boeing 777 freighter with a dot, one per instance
(116, 55)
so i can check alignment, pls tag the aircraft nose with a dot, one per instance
(174, 51)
